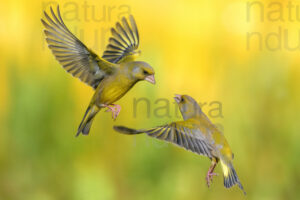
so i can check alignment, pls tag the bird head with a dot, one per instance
(142, 71)
(188, 106)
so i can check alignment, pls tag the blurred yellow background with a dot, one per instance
(233, 52)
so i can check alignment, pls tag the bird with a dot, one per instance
(198, 134)
(111, 76)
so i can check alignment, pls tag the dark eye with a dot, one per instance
(182, 100)
(145, 72)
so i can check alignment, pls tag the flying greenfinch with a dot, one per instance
(111, 75)
(197, 134)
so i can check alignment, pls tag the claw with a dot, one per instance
(210, 174)
(209, 177)
(114, 109)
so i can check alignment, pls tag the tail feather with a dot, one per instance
(127, 131)
(230, 176)
(87, 120)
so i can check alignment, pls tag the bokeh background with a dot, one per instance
(198, 48)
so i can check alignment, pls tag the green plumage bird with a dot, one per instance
(112, 76)
(197, 134)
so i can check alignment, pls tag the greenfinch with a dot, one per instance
(197, 134)
(111, 75)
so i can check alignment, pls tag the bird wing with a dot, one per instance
(124, 40)
(180, 133)
(72, 54)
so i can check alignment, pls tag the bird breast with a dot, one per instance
(113, 89)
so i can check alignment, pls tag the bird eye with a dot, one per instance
(182, 100)
(145, 72)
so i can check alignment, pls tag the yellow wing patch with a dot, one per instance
(225, 169)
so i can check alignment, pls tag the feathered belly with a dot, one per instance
(113, 95)
(113, 92)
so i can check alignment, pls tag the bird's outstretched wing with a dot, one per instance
(179, 133)
(72, 54)
(123, 42)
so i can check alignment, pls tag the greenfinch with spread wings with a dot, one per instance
(111, 75)
(197, 134)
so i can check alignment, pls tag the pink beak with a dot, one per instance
(150, 79)
(177, 98)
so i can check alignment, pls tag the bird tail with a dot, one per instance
(87, 120)
(127, 131)
(230, 176)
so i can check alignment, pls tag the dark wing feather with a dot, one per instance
(72, 54)
(124, 40)
(178, 133)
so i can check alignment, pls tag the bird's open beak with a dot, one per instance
(150, 79)
(177, 98)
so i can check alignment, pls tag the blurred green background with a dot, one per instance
(200, 48)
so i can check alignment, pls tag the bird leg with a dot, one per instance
(210, 174)
(114, 109)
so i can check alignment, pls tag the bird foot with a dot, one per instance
(209, 177)
(114, 109)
